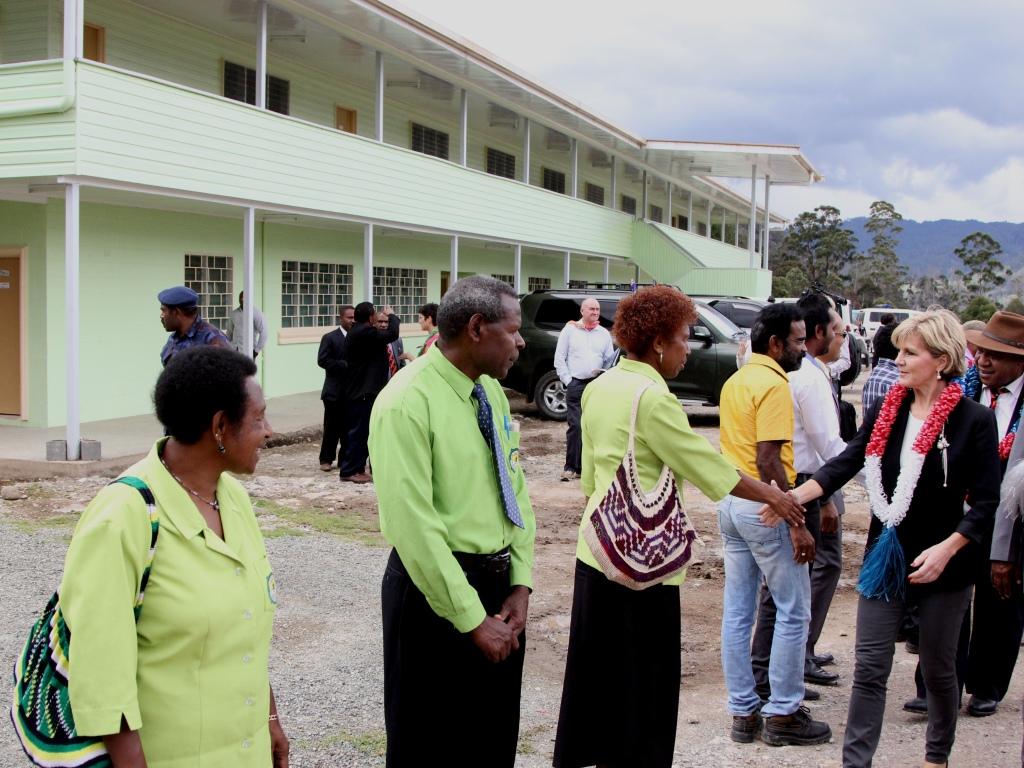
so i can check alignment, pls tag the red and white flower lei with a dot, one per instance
(892, 514)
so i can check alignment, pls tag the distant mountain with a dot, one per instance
(926, 247)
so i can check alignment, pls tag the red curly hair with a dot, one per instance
(651, 311)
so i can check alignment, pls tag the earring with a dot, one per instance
(661, 357)
(938, 375)
(220, 446)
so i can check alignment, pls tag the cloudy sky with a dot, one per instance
(918, 103)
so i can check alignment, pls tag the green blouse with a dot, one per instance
(663, 436)
(192, 676)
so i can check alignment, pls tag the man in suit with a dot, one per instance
(331, 358)
(366, 351)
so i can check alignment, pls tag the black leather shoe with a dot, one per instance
(911, 647)
(917, 705)
(981, 707)
(745, 728)
(810, 694)
(823, 659)
(815, 674)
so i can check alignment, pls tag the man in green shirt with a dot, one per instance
(454, 505)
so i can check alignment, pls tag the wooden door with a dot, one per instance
(10, 336)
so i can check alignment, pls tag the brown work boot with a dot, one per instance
(359, 477)
(797, 729)
(745, 727)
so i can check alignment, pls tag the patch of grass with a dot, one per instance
(346, 524)
(372, 743)
(36, 524)
(280, 533)
(526, 737)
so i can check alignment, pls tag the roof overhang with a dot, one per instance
(782, 163)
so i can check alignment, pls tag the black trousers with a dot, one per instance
(357, 418)
(332, 445)
(445, 704)
(825, 572)
(574, 435)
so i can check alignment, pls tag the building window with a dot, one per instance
(655, 213)
(593, 193)
(212, 278)
(629, 205)
(501, 163)
(553, 180)
(404, 289)
(429, 141)
(538, 283)
(312, 291)
(577, 283)
(505, 279)
(95, 40)
(680, 222)
(240, 85)
(345, 119)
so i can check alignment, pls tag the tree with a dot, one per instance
(979, 308)
(1015, 305)
(937, 289)
(819, 247)
(878, 276)
(983, 271)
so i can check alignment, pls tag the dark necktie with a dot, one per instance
(392, 362)
(485, 420)
(995, 396)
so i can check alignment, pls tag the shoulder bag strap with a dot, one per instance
(154, 523)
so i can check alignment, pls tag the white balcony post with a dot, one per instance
(753, 214)
(767, 223)
(367, 262)
(607, 270)
(464, 129)
(517, 268)
(71, 321)
(575, 170)
(566, 269)
(526, 150)
(689, 211)
(379, 102)
(248, 276)
(668, 207)
(74, 29)
(454, 268)
(736, 231)
(721, 235)
(611, 189)
(707, 219)
(261, 55)
(643, 197)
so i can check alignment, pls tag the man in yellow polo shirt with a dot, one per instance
(454, 505)
(756, 411)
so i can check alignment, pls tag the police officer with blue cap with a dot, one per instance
(179, 314)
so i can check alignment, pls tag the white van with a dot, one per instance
(873, 318)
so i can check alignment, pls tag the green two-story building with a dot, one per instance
(313, 153)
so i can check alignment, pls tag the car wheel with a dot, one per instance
(549, 395)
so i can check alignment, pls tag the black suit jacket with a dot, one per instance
(366, 350)
(936, 511)
(331, 358)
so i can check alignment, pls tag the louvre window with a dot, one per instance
(429, 141)
(593, 193)
(312, 291)
(240, 85)
(404, 289)
(505, 279)
(629, 205)
(553, 180)
(501, 163)
(211, 277)
(538, 283)
(654, 213)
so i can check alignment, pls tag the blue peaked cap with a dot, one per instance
(178, 296)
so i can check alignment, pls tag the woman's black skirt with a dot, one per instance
(620, 698)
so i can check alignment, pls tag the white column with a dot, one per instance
(248, 276)
(736, 231)
(566, 267)
(667, 219)
(261, 56)
(721, 234)
(575, 167)
(643, 197)
(767, 223)
(367, 262)
(379, 103)
(517, 268)
(707, 219)
(464, 128)
(526, 150)
(753, 214)
(71, 321)
(689, 211)
(454, 268)
(74, 29)
(607, 269)
(613, 190)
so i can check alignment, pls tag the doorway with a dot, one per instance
(12, 342)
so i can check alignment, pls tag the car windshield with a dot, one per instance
(717, 321)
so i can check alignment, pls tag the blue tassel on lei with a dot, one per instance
(884, 573)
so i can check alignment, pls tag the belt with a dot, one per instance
(499, 562)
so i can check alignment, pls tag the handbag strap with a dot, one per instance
(665, 480)
(154, 525)
(631, 445)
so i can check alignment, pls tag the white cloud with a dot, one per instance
(952, 129)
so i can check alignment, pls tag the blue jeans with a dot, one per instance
(753, 549)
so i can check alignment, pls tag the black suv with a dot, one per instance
(712, 357)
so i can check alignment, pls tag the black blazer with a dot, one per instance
(935, 511)
(331, 358)
(366, 350)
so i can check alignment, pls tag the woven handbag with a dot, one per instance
(41, 712)
(639, 538)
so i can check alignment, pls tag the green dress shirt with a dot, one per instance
(437, 486)
(663, 436)
(192, 676)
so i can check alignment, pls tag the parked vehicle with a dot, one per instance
(873, 318)
(741, 310)
(712, 357)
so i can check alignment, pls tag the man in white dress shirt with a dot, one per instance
(236, 328)
(584, 351)
(815, 440)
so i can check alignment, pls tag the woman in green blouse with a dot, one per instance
(620, 698)
(188, 684)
